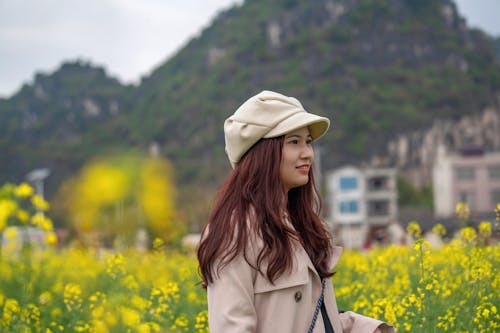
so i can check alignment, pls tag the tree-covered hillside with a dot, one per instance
(376, 68)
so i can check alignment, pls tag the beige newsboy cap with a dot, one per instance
(267, 115)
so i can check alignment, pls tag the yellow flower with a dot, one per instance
(468, 234)
(97, 298)
(23, 190)
(46, 225)
(390, 314)
(130, 317)
(11, 233)
(462, 210)
(72, 296)
(158, 244)
(110, 319)
(181, 323)
(31, 314)
(12, 305)
(143, 328)
(56, 312)
(42, 221)
(201, 322)
(155, 327)
(10, 310)
(39, 203)
(23, 216)
(97, 311)
(439, 229)
(82, 326)
(7, 209)
(37, 219)
(115, 265)
(192, 297)
(51, 238)
(414, 229)
(461, 207)
(130, 282)
(45, 297)
(139, 303)
(99, 327)
(485, 228)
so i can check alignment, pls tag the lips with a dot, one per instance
(304, 168)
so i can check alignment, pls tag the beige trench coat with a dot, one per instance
(242, 300)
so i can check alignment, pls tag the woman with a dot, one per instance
(265, 257)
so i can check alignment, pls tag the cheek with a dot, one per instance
(286, 164)
(284, 160)
(288, 155)
(285, 169)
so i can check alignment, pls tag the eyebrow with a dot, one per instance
(297, 136)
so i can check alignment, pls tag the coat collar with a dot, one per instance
(304, 257)
(334, 258)
(302, 253)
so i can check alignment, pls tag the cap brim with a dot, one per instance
(317, 125)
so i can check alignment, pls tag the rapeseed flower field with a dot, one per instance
(417, 288)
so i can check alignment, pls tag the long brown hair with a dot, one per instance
(254, 189)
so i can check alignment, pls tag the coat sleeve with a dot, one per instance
(231, 299)
(355, 323)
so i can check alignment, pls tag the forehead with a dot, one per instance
(303, 131)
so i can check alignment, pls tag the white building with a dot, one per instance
(346, 188)
(381, 196)
(362, 203)
(469, 176)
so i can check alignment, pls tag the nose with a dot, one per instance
(307, 153)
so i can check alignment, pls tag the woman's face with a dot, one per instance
(297, 158)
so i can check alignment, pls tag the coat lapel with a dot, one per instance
(336, 253)
(334, 258)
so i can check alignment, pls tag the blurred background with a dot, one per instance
(113, 110)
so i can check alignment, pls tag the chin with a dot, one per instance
(299, 184)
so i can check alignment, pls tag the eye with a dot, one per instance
(309, 141)
(294, 141)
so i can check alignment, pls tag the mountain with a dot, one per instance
(376, 68)
(497, 47)
(57, 122)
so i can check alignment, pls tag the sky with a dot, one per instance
(130, 38)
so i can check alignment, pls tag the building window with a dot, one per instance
(494, 172)
(378, 208)
(465, 173)
(349, 207)
(348, 183)
(378, 183)
(495, 196)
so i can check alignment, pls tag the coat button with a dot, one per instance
(298, 296)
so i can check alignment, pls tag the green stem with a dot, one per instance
(422, 262)
(1, 246)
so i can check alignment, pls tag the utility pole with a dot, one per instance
(37, 176)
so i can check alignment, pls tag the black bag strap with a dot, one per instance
(326, 320)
